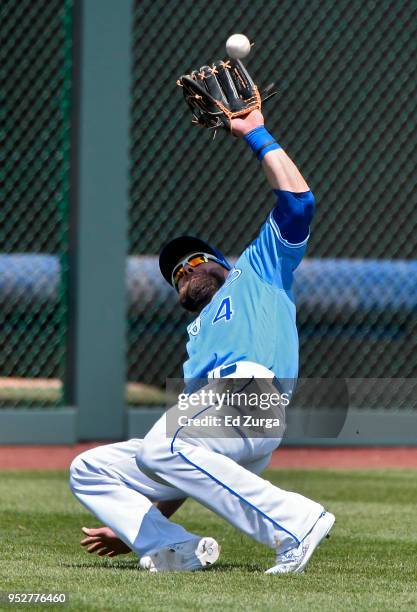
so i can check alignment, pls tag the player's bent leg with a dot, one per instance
(204, 470)
(118, 461)
(107, 482)
(258, 465)
(296, 560)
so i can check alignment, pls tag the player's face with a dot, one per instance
(198, 285)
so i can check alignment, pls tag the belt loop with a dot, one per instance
(227, 370)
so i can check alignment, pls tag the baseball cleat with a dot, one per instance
(191, 556)
(295, 560)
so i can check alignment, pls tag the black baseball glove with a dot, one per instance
(219, 93)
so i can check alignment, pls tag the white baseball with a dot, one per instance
(238, 46)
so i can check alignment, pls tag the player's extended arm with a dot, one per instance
(295, 202)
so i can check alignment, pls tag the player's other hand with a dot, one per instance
(240, 127)
(104, 542)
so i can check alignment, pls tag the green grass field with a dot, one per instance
(369, 563)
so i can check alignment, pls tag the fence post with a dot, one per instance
(99, 244)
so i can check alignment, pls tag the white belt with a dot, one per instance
(241, 369)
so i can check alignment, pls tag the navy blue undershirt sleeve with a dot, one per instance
(293, 213)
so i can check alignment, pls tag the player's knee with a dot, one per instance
(75, 472)
(79, 472)
(145, 457)
(152, 455)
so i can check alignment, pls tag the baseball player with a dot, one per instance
(245, 328)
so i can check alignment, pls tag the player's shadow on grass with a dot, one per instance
(103, 564)
(230, 567)
(133, 565)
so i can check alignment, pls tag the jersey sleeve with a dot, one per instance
(282, 241)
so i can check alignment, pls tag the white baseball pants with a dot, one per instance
(119, 482)
(108, 482)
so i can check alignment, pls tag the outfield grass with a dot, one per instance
(369, 563)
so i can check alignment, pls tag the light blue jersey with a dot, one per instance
(253, 316)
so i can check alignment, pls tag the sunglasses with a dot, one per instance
(194, 260)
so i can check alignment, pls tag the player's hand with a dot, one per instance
(104, 542)
(240, 127)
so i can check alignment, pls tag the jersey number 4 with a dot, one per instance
(224, 311)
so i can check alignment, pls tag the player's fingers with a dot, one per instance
(90, 540)
(95, 546)
(90, 531)
(103, 552)
(112, 553)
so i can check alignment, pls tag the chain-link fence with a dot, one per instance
(35, 76)
(346, 76)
